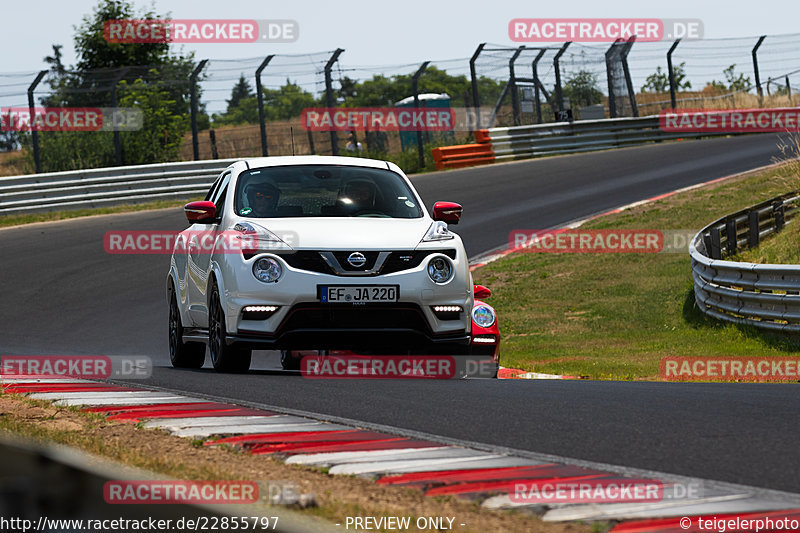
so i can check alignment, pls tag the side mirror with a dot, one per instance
(200, 212)
(481, 292)
(447, 212)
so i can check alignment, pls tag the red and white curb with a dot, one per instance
(516, 373)
(436, 469)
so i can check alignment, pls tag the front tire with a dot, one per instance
(182, 354)
(225, 357)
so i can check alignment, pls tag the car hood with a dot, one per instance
(361, 233)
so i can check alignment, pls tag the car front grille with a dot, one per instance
(399, 260)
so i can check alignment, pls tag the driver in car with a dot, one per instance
(263, 199)
(359, 195)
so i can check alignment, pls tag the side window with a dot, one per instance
(218, 195)
(213, 188)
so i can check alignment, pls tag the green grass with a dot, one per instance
(18, 220)
(614, 316)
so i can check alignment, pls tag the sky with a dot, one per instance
(374, 32)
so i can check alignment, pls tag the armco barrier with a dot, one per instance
(764, 296)
(36, 193)
(523, 142)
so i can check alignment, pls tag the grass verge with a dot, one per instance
(614, 316)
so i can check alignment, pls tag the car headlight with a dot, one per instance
(438, 232)
(440, 270)
(267, 269)
(254, 237)
(483, 316)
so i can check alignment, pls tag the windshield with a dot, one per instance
(324, 191)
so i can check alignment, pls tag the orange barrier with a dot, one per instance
(465, 155)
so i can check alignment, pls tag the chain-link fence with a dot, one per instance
(253, 106)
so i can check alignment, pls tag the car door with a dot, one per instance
(200, 246)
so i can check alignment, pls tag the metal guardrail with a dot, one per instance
(522, 142)
(36, 193)
(760, 295)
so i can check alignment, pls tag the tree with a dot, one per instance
(240, 91)
(141, 75)
(658, 82)
(582, 90)
(733, 82)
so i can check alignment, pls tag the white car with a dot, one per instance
(314, 252)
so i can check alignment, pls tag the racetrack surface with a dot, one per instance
(62, 294)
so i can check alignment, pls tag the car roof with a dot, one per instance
(260, 162)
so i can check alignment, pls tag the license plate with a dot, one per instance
(357, 293)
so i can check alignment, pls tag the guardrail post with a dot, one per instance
(777, 213)
(37, 158)
(329, 95)
(512, 85)
(672, 88)
(755, 69)
(415, 90)
(716, 248)
(752, 234)
(261, 119)
(559, 95)
(476, 102)
(117, 141)
(536, 84)
(193, 94)
(730, 235)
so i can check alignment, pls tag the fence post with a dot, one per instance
(512, 86)
(789, 90)
(536, 83)
(212, 137)
(261, 119)
(612, 100)
(117, 141)
(476, 102)
(193, 89)
(631, 91)
(415, 90)
(755, 69)
(752, 233)
(672, 87)
(329, 95)
(559, 96)
(37, 158)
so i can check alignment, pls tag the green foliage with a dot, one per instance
(582, 90)
(284, 103)
(658, 82)
(240, 91)
(733, 82)
(141, 75)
